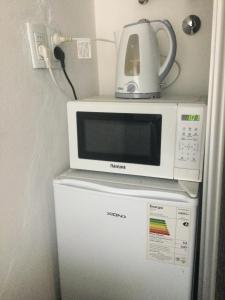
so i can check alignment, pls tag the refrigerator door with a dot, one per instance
(120, 246)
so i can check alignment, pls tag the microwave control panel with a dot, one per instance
(190, 137)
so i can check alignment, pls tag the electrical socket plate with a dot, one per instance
(37, 35)
(50, 33)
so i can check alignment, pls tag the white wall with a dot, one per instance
(193, 51)
(33, 129)
(33, 143)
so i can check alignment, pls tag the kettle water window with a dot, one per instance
(119, 137)
(132, 61)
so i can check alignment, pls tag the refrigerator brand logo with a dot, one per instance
(117, 166)
(116, 215)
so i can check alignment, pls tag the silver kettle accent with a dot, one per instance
(139, 72)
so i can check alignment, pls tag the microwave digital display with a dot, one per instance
(119, 137)
(190, 117)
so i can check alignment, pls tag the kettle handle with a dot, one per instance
(168, 63)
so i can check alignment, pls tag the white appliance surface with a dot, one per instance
(138, 61)
(124, 237)
(182, 141)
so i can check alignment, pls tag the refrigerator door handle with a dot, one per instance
(121, 191)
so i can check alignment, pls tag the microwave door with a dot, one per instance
(116, 137)
(123, 137)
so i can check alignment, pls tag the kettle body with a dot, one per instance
(138, 62)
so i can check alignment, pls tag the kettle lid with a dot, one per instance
(141, 21)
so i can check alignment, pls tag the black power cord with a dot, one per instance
(60, 55)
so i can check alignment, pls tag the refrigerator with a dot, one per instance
(124, 237)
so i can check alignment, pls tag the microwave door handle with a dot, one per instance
(120, 191)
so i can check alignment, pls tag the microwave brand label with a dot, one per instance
(117, 166)
(112, 214)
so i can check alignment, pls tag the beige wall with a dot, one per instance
(33, 143)
(193, 51)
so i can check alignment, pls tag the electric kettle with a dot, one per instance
(139, 73)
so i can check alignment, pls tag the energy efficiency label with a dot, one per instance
(168, 234)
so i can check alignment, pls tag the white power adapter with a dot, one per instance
(45, 52)
(83, 44)
(84, 48)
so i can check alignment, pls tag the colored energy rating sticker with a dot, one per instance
(169, 231)
(158, 226)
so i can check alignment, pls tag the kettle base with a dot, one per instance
(137, 95)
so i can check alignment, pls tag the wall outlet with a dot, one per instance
(50, 33)
(84, 48)
(38, 35)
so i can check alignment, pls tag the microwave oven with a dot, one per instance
(161, 138)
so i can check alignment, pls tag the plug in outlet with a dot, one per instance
(51, 32)
(38, 35)
(84, 48)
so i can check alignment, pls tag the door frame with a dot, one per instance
(214, 157)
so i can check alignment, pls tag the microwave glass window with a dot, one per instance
(116, 137)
